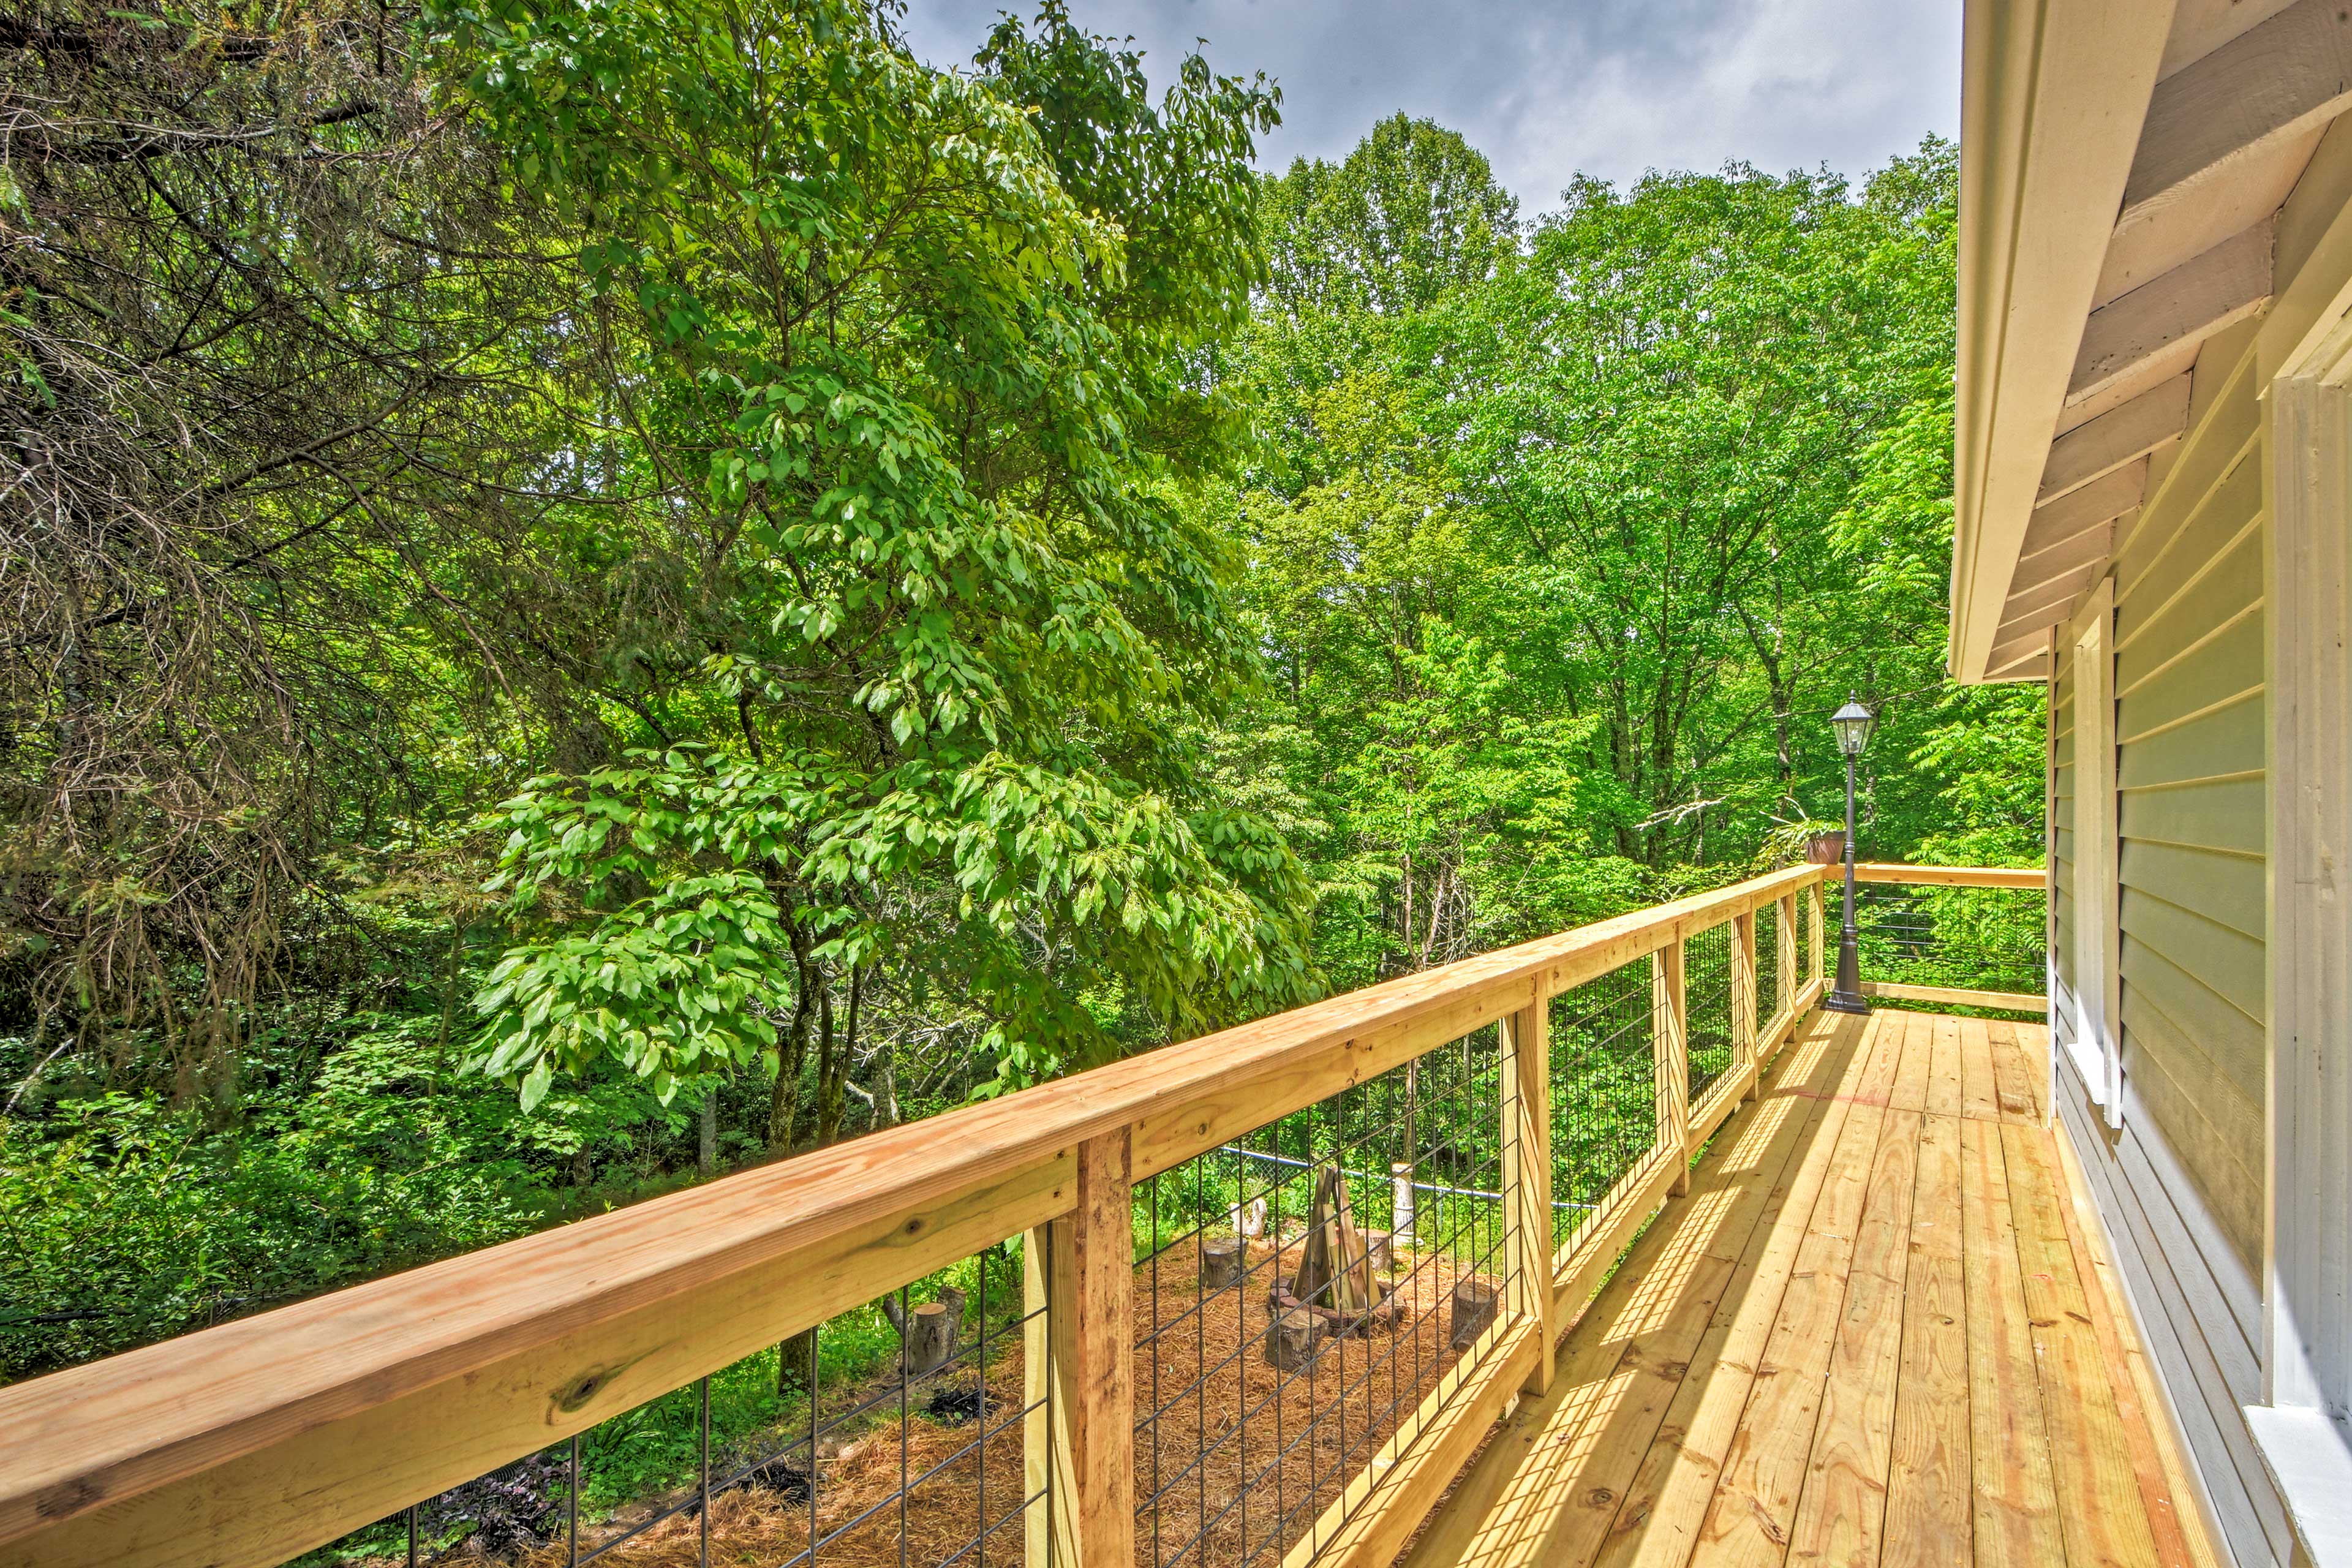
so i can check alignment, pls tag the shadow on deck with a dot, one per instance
(1878, 1330)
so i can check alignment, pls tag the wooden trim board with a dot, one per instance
(1949, 996)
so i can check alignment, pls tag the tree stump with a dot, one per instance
(1474, 1308)
(1383, 1250)
(1290, 1338)
(1222, 1260)
(930, 1332)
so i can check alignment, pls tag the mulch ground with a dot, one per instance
(1229, 1451)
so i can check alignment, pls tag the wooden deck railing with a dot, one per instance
(258, 1440)
(1978, 877)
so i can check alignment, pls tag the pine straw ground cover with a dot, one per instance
(1281, 1446)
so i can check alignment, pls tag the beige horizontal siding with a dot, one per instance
(2226, 888)
(2189, 756)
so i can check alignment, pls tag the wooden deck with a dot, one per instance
(1877, 1331)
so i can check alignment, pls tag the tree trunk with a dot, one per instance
(930, 1332)
(829, 1095)
(792, 1055)
(796, 1357)
(706, 1142)
(1402, 1172)
(832, 1061)
(796, 1365)
(886, 1083)
(448, 1002)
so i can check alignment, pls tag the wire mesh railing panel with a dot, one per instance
(1968, 938)
(1768, 964)
(1804, 935)
(1301, 1290)
(894, 1433)
(1706, 1008)
(1604, 1093)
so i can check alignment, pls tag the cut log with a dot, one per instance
(1221, 1262)
(1290, 1338)
(1473, 1309)
(930, 1332)
(931, 1339)
(1382, 1248)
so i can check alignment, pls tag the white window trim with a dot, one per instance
(2300, 1427)
(2096, 1046)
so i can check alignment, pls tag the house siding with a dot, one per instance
(2191, 724)
(2180, 1183)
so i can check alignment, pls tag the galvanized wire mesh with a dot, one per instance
(1805, 934)
(1768, 966)
(1245, 1438)
(854, 1447)
(1973, 939)
(1604, 1092)
(1707, 992)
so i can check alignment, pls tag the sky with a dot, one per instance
(1549, 88)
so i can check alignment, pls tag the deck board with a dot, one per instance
(1928, 1505)
(1874, 1333)
(1662, 1509)
(2016, 1521)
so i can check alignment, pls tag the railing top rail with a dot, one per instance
(1952, 876)
(321, 1406)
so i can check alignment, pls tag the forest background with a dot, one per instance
(580, 611)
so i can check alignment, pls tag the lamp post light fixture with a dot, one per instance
(1853, 723)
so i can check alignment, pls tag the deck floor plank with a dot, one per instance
(1945, 1093)
(1911, 1061)
(1929, 1508)
(1980, 1089)
(2015, 1518)
(1629, 1353)
(1659, 1519)
(1754, 1509)
(2020, 1079)
(1873, 1335)
(2090, 1456)
(1842, 1512)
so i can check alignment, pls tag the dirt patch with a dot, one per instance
(1229, 1451)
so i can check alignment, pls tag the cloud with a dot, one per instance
(1610, 87)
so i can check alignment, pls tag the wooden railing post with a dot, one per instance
(1081, 1267)
(1670, 1029)
(1744, 1021)
(1527, 1176)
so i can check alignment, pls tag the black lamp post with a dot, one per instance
(1853, 723)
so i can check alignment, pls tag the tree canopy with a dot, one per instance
(1565, 539)
(601, 589)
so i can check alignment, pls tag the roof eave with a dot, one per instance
(2053, 93)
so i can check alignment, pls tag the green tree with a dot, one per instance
(905, 359)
